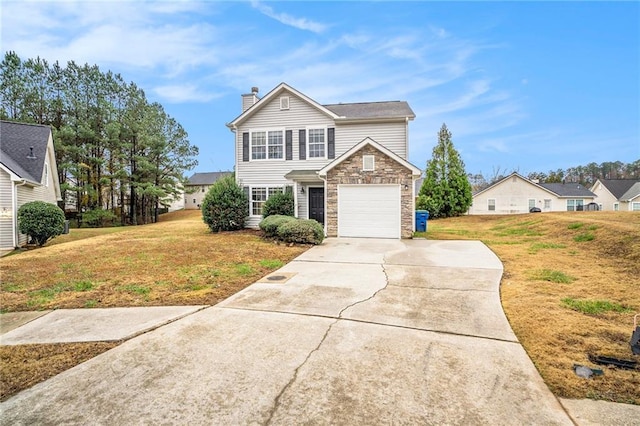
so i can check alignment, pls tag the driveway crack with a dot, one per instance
(386, 278)
(276, 403)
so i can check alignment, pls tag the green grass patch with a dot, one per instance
(82, 286)
(575, 225)
(91, 303)
(552, 276)
(243, 269)
(11, 287)
(594, 307)
(592, 227)
(583, 237)
(536, 247)
(271, 263)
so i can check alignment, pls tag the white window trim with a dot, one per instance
(575, 204)
(531, 205)
(266, 130)
(372, 159)
(616, 207)
(268, 190)
(326, 142)
(489, 205)
(633, 206)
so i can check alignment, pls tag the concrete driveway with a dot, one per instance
(355, 331)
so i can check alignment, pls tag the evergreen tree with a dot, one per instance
(446, 190)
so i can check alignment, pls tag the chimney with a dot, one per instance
(249, 99)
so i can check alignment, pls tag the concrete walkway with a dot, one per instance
(354, 331)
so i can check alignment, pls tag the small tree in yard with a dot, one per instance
(446, 190)
(225, 206)
(40, 221)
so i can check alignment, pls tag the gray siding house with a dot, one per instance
(28, 172)
(346, 163)
(198, 186)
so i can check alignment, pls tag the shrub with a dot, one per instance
(424, 202)
(97, 218)
(279, 204)
(306, 231)
(224, 207)
(41, 221)
(270, 224)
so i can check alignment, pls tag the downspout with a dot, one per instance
(326, 221)
(15, 211)
(406, 141)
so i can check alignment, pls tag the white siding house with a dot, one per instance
(517, 194)
(28, 172)
(198, 186)
(285, 138)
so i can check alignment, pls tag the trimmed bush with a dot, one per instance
(306, 231)
(270, 224)
(424, 202)
(225, 206)
(279, 204)
(40, 221)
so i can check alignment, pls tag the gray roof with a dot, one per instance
(619, 187)
(16, 143)
(568, 189)
(632, 193)
(206, 178)
(389, 109)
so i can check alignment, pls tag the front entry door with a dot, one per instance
(316, 204)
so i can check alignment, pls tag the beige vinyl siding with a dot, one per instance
(513, 197)
(604, 197)
(6, 205)
(392, 136)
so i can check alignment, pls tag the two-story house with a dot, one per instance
(345, 163)
(28, 172)
(198, 186)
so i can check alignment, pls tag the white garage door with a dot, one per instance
(369, 211)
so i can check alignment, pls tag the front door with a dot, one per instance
(316, 204)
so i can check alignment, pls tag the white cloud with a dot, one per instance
(286, 19)
(180, 93)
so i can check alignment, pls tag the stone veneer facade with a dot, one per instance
(387, 171)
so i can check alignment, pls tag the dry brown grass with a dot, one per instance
(604, 268)
(174, 262)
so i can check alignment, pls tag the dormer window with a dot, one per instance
(284, 103)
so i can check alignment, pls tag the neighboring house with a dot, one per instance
(517, 194)
(28, 172)
(617, 194)
(198, 186)
(346, 164)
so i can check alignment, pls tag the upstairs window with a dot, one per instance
(317, 146)
(267, 144)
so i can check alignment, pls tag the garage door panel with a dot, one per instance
(369, 211)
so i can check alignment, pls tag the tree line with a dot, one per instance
(117, 153)
(585, 175)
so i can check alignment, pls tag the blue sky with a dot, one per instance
(522, 86)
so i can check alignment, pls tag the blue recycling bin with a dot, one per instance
(421, 220)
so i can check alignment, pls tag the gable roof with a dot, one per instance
(568, 189)
(561, 190)
(632, 193)
(17, 141)
(368, 141)
(338, 112)
(206, 178)
(618, 187)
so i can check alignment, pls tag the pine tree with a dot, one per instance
(446, 190)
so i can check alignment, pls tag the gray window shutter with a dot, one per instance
(288, 145)
(245, 189)
(245, 147)
(302, 140)
(331, 142)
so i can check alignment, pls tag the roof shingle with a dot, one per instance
(16, 143)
